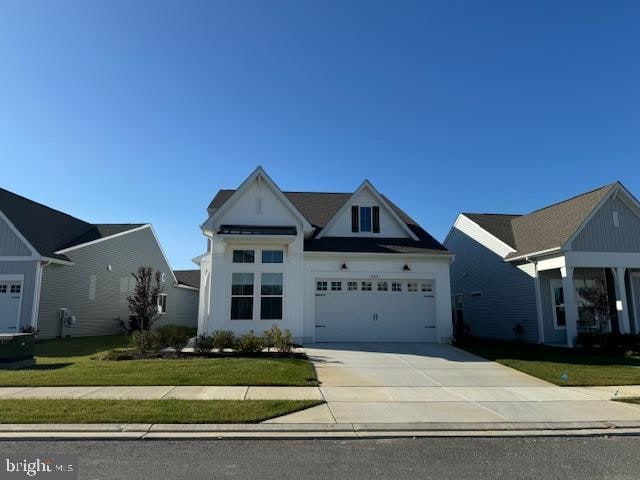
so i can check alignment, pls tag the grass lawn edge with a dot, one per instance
(78, 411)
(560, 366)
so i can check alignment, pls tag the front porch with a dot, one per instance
(587, 293)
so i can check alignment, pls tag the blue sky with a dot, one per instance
(140, 111)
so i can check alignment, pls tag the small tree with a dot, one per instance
(597, 303)
(143, 304)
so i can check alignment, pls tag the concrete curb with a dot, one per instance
(309, 431)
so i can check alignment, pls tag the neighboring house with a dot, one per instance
(65, 276)
(534, 270)
(326, 266)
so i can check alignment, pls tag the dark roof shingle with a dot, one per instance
(49, 230)
(545, 229)
(190, 278)
(320, 207)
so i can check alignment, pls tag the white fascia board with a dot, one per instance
(261, 239)
(374, 255)
(175, 280)
(471, 228)
(186, 287)
(258, 173)
(343, 210)
(34, 253)
(197, 260)
(57, 261)
(93, 242)
(540, 253)
(629, 198)
(567, 244)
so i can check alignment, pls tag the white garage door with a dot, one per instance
(377, 310)
(10, 296)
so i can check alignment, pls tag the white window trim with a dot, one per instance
(552, 284)
(360, 207)
(261, 296)
(257, 269)
(162, 311)
(253, 296)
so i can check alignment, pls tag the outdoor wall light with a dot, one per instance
(344, 267)
(406, 267)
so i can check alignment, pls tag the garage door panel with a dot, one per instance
(374, 316)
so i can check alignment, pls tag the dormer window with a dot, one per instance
(365, 218)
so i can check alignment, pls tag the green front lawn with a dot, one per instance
(146, 411)
(562, 366)
(70, 362)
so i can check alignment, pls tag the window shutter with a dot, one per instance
(354, 219)
(376, 219)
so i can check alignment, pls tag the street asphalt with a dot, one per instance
(442, 458)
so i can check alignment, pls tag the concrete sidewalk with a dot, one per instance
(421, 382)
(165, 392)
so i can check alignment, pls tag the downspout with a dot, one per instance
(36, 294)
(536, 280)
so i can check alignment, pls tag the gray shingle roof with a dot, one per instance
(320, 207)
(191, 278)
(49, 230)
(545, 229)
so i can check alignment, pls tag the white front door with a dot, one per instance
(10, 302)
(376, 310)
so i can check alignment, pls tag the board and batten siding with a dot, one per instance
(28, 269)
(504, 293)
(95, 288)
(10, 244)
(600, 234)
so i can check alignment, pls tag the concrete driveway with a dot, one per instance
(422, 382)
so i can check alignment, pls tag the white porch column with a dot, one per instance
(621, 300)
(570, 305)
(536, 279)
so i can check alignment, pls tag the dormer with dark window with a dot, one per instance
(365, 218)
(367, 214)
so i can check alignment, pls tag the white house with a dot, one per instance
(525, 275)
(329, 267)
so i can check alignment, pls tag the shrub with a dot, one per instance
(269, 337)
(175, 336)
(223, 339)
(203, 344)
(249, 343)
(145, 341)
(623, 343)
(276, 338)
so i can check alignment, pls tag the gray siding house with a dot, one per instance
(66, 277)
(527, 275)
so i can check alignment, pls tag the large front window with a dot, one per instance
(242, 296)
(365, 219)
(244, 256)
(271, 296)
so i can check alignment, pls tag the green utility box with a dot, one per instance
(16, 350)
